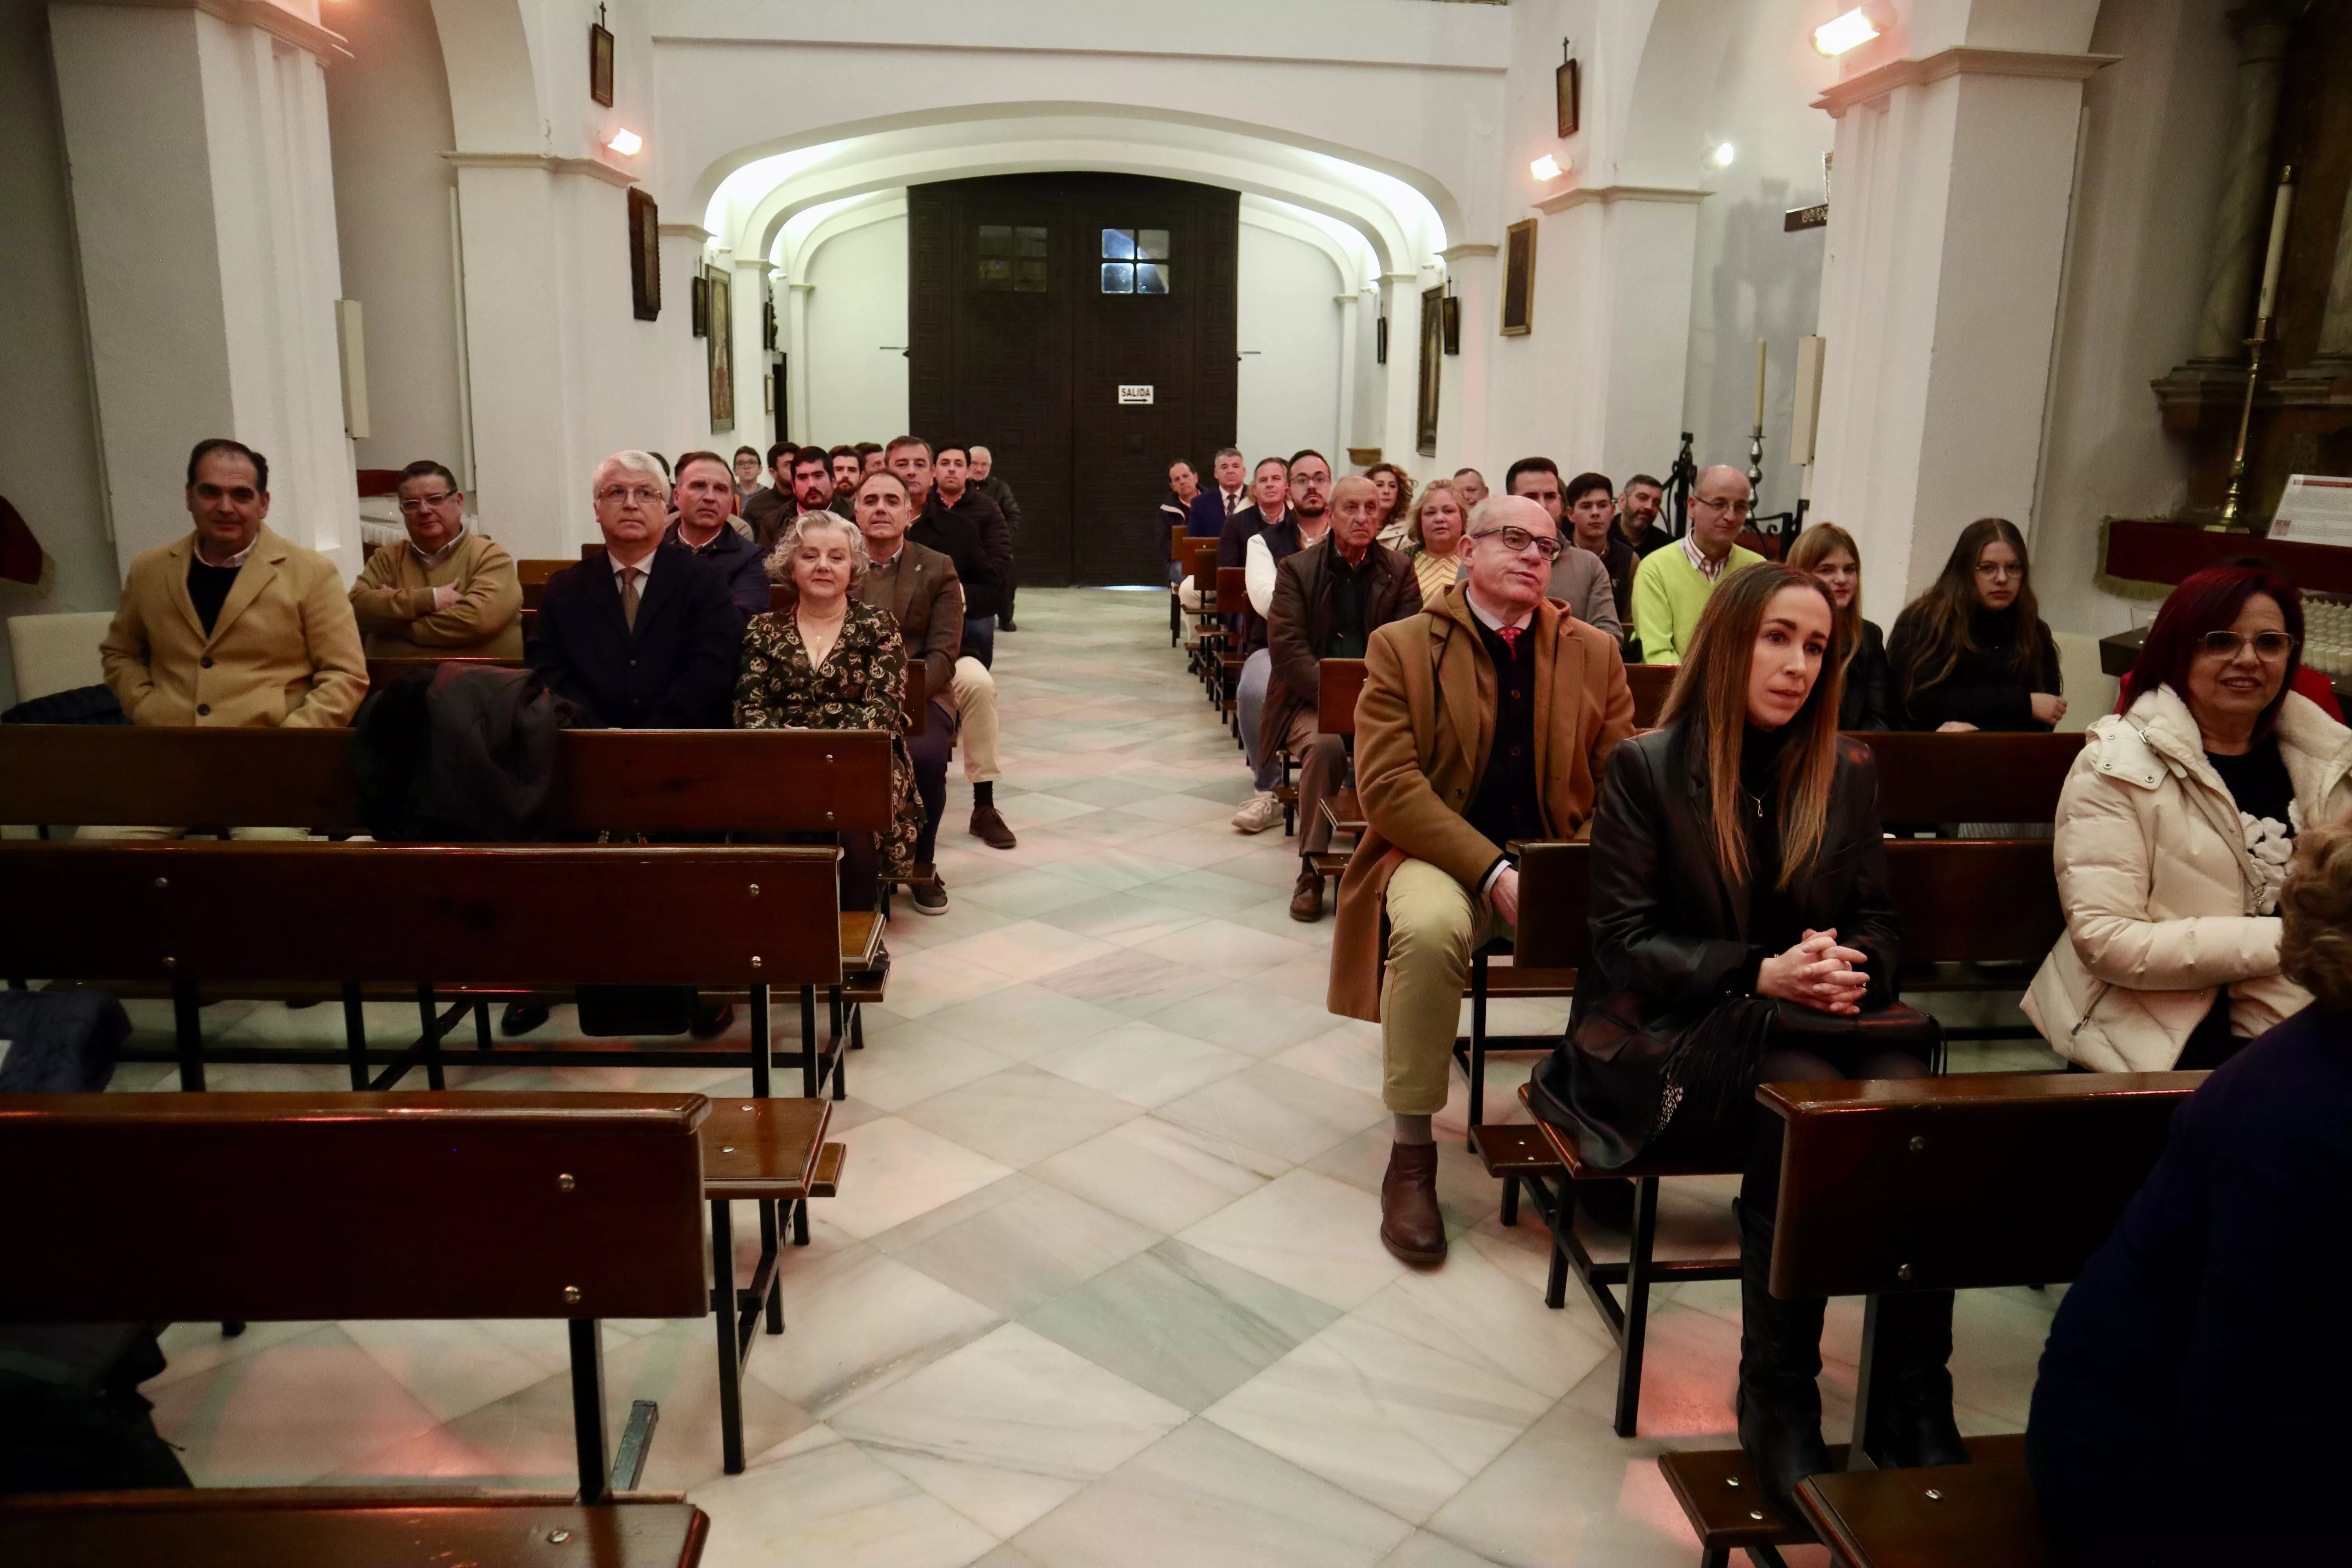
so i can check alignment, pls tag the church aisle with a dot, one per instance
(1102, 1285)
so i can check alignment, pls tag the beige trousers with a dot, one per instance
(975, 705)
(1322, 764)
(1434, 924)
(163, 833)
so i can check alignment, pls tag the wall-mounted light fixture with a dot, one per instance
(1849, 30)
(1723, 154)
(1546, 167)
(625, 142)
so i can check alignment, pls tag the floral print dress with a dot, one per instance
(857, 687)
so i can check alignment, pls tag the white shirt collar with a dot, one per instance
(233, 561)
(642, 565)
(1710, 570)
(1490, 622)
(441, 554)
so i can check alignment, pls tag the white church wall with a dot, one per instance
(49, 468)
(1287, 329)
(857, 336)
(388, 113)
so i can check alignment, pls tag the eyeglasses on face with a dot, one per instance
(1994, 569)
(418, 503)
(1740, 508)
(1518, 540)
(2270, 647)
(629, 495)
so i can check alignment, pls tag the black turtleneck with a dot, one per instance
(1773, 924)
(1984, 688)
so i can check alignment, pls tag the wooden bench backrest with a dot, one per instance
(1232, 589)
(637, 781)
(1341, 682)
(1978, 900)
(1650, 684)
(278, 1207)
(1930, 778)
(1960, 1182)
(1202, 564)
(473, 915)
(1178, 540)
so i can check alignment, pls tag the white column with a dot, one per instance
(555, 354)
(1347, 423)
(753, 366)
(1939, 295)
(213, 133)
(796, 341)
(683, 358)
(1462, 422)
(1400, 405)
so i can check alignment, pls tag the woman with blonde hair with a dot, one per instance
(1742, 933)
(831, 662)
(1434, 537)
(1829, 553)
(1394, 487)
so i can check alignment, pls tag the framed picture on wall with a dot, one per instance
(1568, 82)
(1381, 341)
(645, 255)
(1520, 279)
(1452, 317)
(701, 306)
(599, 63)
(1432, 359)
(722, 350)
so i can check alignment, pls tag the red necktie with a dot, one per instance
(1510, 636)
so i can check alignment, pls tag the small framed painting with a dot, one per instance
(1381, 341)
(644, 256)
(701, 306)
(1568, 82)
(722, 351)
(1451, 313)
(599, 63)
(1520, 279)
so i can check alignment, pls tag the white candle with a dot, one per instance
(2280, 208)
(1759, 379)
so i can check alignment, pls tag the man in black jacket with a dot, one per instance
(644, 637)
(704, 503)
(1329, 599)
(957, 534)
(954, 499)
(990, 483)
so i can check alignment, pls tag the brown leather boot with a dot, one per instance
(1307, 898)
(1411, 1226)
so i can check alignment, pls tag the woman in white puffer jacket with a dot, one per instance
(2173, 835)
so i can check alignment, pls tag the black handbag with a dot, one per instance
(1896, 1027)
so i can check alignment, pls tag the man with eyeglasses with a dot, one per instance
(1485, 720)
(1580, 579)
(644, 637)
(1674, 584)
(450, 587)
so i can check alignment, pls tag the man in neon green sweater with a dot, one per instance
(1675, 582)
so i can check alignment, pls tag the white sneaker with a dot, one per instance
(1259, 814)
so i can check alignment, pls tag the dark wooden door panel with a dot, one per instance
(1034, 373)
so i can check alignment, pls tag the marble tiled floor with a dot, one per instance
(1102, 1285)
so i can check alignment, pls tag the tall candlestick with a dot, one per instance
(2281, 207)
(1760, 384)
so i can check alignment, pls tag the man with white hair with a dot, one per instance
(644, 636)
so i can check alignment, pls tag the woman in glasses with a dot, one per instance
(2173, 835)
(1972, 653)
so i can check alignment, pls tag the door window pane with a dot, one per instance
(1119, 278)
(1119, 245)
(1152, 245)
(1151, 278)
(1010, 257)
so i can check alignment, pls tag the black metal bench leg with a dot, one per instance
(482, 1027)
(800, 1222)
(808, 1042)
(1637, 1303)
(730, 1365)
(356, 1035)
(188, 1030)
(761, 1060)
(840, 1051)
(1510, 1200)
(1561, 1215)
(1477, 1071)
(428, 1018)
(770, 1231)
(588, 1412)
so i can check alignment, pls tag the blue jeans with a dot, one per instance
(979, 639)
(1257, 673)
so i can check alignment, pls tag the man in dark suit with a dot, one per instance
(1329, 599)
(1218, 502)
(990, 483)
(704, 505)
(953, 495)
(644, 637)
(917, 586)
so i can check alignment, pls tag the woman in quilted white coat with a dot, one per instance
(2173, 835)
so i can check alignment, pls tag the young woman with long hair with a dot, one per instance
(1394, 487)
(1434, 537)
(1742, 934)
(1829, 553)
(1971, 653)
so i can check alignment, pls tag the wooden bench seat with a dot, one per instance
(1726, 1508)
(1982, 1511)
(307, 1526)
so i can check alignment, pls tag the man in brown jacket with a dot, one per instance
(448, 588)
(1328, 598)
(1484, 719)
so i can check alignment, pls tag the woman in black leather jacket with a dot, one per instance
(1742, 934)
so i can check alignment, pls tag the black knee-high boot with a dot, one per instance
(1915, 1348)
(1780, 1371)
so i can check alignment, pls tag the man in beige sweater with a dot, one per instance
(448, 590)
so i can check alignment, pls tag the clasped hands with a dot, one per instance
(1817, 972)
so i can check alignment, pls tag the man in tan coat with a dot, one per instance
(449, 589)
(1485, 719)
(233, 625)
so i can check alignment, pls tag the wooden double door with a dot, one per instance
(1081, 327)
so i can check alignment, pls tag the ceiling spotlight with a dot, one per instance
(1545, 168)
(625, 143)
(1723, 154)
(1852, 30)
